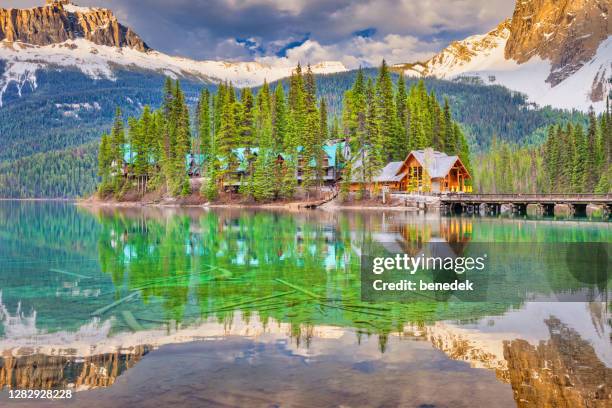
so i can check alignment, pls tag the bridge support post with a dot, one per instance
(539, 209)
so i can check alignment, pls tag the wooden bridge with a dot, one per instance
(517, 203)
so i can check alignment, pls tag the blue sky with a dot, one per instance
(356, 32)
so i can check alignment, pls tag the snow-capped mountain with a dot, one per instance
(63, 35)
(558, 52)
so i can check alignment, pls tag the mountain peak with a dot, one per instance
(557, 52)
(461, 55)
(565, 32)
(60, 20)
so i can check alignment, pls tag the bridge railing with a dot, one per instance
(528, 197)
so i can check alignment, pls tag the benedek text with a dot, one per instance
(406, 285)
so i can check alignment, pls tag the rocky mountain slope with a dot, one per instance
(558, 52)
(61, 21)
(63, 35)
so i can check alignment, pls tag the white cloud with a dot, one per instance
(291, 6)
(423, 17)
(359, 51)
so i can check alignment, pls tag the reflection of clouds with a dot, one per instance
(17, 325)
(22, 336)
(481, 343)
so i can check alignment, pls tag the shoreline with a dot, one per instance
(292, 206)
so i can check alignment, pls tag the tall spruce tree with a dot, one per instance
(279, 119)
(204, 122)
(105, 159)
(386, 115)
(401, 103)
(246, 121)
(118, 150)
(591, 159)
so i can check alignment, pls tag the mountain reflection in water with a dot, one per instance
(85, 295)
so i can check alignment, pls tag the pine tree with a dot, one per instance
(279, 119)
(345, 186)
(372, 150)
(263, 182)
(356, 109)
(212, 189)
(138, 150)
(105, 160)
(168, 97)
(464, 149)
(150, 145)
(604, 186)
(117, 150)
(203, 122)
(446, 128)
(289, 183)
(578, 164)
(179, 146)
(566, 159)
(246, 119)
(401, 103)
(323, 127)
(297, 111)
(322, 137)
(591, 159)
(312, 146)
(386, 114)
(227, 136)
(417, 99)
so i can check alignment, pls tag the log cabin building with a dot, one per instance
(422, 171)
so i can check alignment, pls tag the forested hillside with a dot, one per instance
(57, 174)
(483, 111)
(68, 110)
(574, 159)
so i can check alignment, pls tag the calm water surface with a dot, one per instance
(149, 307)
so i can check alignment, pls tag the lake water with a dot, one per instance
(152, 307)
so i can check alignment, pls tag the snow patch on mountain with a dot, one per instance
(529, 78)
(99, 62)
(73, 8)
(474, 53)
(469, 58)
(71, 110)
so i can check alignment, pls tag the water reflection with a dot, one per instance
(79, 303)
(42, 372)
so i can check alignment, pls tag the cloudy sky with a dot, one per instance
(356, 32)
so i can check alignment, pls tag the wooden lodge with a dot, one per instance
(422, 171)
